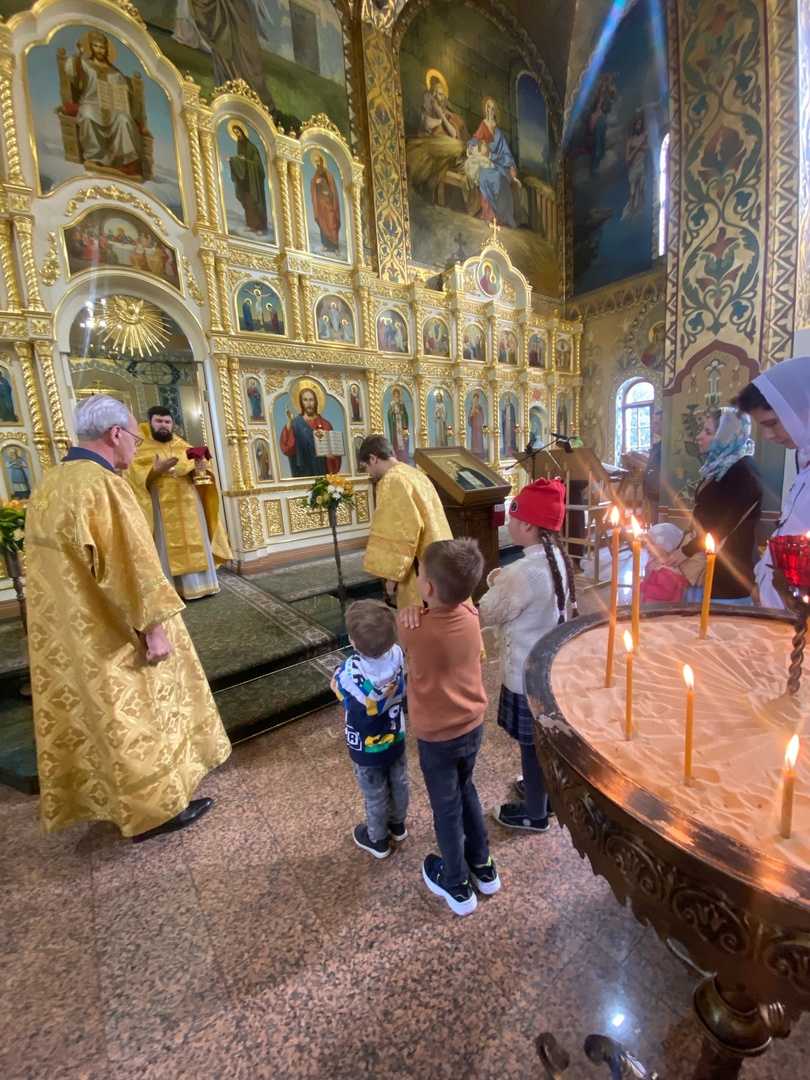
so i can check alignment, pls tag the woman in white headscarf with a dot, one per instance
(727, 505)
(779, 400)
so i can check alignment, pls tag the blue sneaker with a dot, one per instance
(460, 898)
(485, 878)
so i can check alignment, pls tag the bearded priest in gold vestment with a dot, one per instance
(184, 517)
(408, 516)
(126, 726)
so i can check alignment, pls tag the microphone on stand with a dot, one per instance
(564, 441)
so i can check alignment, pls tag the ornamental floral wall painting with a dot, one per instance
(291, 54)
(479, 146)
(615, 142)
(97, 113)
(244, 181)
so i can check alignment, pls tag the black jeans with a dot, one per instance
(457, 816)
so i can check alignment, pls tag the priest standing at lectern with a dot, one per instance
(408, 516)
(183, 514)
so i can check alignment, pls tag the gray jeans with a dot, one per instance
(386, 792)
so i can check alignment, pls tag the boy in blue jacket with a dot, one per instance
(371, 685)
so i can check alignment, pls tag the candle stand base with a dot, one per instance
(735, 1027)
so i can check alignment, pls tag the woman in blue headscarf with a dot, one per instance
(727, 505)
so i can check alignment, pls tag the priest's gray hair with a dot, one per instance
(97, 414)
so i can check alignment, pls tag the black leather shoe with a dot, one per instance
(195, 809)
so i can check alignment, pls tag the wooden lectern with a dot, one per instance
(472, 495)
(589, 495)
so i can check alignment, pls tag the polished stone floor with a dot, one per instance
(261, 943)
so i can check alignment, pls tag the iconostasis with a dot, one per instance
(171, 250)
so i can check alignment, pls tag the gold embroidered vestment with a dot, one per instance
(179, 506)
(408, 516)
(117, 739)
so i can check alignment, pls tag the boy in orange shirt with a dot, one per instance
(446, 711)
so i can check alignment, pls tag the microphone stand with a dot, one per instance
(532, 454)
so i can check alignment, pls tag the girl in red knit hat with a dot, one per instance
(525, 601)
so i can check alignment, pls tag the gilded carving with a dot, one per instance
(241, 89)
(13, 436)
(302, 519)
(207, 259)
(297, 182)
(25, 356)
(9, 121)
(322, 121)
(334, 382)
(250, 522)
(361, 503)
(129, 8)
(274, 380)
(13, 297)
(192, 123)
(273, 518)
(117, 195)
(50, 268)
(194, 290)
(230, 425)
(24, 228)
(211, 187)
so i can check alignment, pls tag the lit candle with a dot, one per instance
(636, 602)
(614, 594)
(628, 705)
(689, 679)
(788, 784)
(707, 585)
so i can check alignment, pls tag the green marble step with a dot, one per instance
(275, 699)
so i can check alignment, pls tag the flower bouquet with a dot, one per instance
(328, 493)
(12, 538)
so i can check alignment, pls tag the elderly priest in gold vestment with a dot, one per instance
(184, 516)
(126, 726)
(407, 517)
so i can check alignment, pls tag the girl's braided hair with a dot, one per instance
(551, 540)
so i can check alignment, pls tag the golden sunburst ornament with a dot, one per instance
(135, 326)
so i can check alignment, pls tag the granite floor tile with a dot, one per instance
(51, 1000)
(260, 923)
(158, 972)
(262, 943)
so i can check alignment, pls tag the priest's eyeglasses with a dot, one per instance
(135, 438)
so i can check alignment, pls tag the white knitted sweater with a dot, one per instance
(522, 604)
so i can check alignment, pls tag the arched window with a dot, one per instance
(634, 409)
(663, 194)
